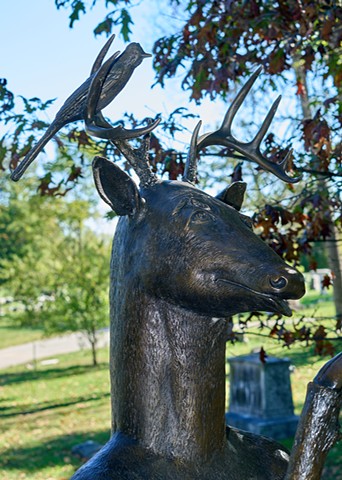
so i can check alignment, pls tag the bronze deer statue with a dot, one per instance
(182, 262)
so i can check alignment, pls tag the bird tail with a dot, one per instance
(34, 152)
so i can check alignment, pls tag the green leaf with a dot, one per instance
(126, 21)
(111, 2)
(104, 27)
(78, 7)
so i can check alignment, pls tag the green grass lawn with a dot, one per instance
(45, 412)
(11, 335)
(316, 304)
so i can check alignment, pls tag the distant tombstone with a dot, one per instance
(261, 397)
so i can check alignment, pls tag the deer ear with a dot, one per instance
(233, 194)
(115, 187)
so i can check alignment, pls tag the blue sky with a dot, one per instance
(41, 56)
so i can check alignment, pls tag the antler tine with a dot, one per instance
(190, 169)
(103, 52)
(93, 97)
(237, 102)
(98, 126)
(250, 150)
(139, 161)
(103, 129)
(225, 131)
(266, 123)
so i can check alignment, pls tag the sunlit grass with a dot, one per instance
(11, 335)
(45, 412)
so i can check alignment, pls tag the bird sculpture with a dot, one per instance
(113, 75)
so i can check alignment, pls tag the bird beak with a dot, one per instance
(146, 55)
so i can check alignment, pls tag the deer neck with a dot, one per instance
(168, 378)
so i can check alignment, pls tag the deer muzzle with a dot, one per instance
(287, 284)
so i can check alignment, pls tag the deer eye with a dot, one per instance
(201, 216)
(247, 221)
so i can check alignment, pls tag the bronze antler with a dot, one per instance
(98, 126)
(250, 150)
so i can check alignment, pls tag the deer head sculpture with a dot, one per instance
(182, 262)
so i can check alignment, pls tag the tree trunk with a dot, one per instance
(335, 265)
(91, 335)
(331, 245)
(94, 353)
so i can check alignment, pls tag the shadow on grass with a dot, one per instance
(55, 452)
(11, 411)
(48, 374)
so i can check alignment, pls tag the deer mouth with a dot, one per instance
(274, 303)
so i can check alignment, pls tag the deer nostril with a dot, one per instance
(278, 283)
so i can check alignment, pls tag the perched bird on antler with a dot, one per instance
(114, 75)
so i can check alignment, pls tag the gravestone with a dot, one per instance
(261, 397)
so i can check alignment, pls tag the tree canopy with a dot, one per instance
(52, 265)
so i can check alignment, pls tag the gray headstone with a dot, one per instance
(261, 397)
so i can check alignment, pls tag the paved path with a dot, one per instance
(32, 351)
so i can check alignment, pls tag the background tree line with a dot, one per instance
(54, 268)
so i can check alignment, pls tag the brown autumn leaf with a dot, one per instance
(301, 90)
(326, 281)
(262, 355)
(313, 264)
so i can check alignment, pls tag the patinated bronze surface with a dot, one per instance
(178, 268)
(318, 428)
(182, 262)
